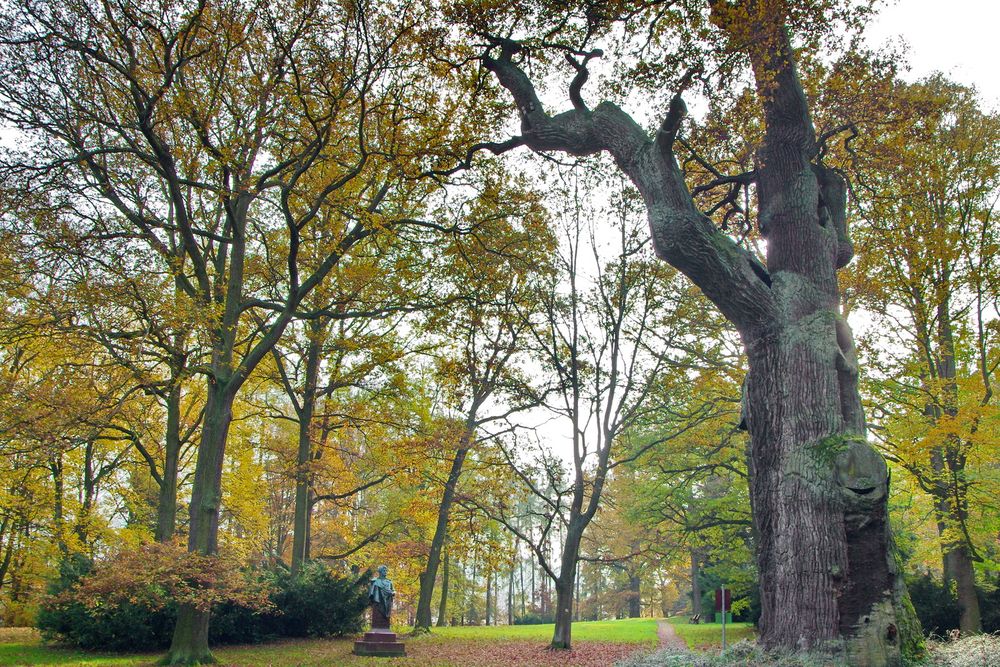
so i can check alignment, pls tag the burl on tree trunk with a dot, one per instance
(819, 490)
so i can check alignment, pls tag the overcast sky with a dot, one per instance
(957, 37)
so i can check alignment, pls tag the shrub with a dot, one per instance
(85, 608)
(989, 605)
(935, 605)
(534, 618)
(318, 603)
(125, 625)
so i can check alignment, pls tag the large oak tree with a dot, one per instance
(818, 488)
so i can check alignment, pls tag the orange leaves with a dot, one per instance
(158, 574)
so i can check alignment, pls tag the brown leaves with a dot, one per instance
(504, 653)
(156, 574)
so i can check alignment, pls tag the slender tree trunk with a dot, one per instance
(533, 603)
(564, 585)
(190, 640)
(510, 596)
(166, 508)
(58, 518)
(520, 571)
(576, 594)
(489, 596)
(695, 583)
(429, 575)
(443, 607)
(948, 463)
(300, 526)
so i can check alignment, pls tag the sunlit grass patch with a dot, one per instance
(709, 635)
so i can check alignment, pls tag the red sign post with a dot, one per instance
(723, 600)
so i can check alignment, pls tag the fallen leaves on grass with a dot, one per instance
(517, 653)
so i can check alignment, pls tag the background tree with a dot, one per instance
(485, 328)
(594, 335)
(927, 188)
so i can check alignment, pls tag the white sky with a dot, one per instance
(957, 37)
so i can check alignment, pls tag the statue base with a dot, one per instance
(380, 642)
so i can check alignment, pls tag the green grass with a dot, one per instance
(19, 646)
(709, 635)
(630, 630)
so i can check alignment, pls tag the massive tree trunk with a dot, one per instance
(429, 575)
(634, 596)
(819, 489)
(190, 640)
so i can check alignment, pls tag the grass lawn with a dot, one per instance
(596, 644)
(709, 635)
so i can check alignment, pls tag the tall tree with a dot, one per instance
(494, 268)
(819, 489)
(594, 336)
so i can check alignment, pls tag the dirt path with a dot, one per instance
(668, 636)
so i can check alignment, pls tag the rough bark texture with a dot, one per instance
(819, 490)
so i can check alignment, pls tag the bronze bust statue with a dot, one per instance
(380, 595)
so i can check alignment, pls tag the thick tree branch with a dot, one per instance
(682, 235)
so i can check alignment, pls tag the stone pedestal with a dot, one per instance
(380, 642)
